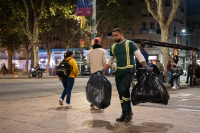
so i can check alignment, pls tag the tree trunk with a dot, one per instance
(36, 57)
(49, 58)
(67, 47)
(27, 58)
(9, 62)
(165, 50)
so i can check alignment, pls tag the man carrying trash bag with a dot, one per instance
(96, 58)
(124, 50)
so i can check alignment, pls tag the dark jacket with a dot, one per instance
(4, 67)
(37, 68)
(146, 56)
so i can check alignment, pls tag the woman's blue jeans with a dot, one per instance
(4, 72)
(68, 84)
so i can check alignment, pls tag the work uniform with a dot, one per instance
(125, 64)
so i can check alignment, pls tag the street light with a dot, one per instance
(183, 31)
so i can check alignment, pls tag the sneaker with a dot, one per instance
(173, 87)
(61, 102)
(68, 105)
(186, 82)
(91, 105)
(177, 87)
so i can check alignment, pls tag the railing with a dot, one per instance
(143, 31)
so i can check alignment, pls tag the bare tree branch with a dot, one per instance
(27, 17)
(173, 12)
(160, 9)
(155, 16)
(41, 8)
(33, 7)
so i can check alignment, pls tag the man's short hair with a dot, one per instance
(117, 29)
(142, 44)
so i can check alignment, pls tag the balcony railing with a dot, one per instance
(152, 31)
(143, 31)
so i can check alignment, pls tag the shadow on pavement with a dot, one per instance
(122, 127)
(60, 108)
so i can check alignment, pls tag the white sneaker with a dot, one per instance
(68, 105)
(177, 87)
(173, 87)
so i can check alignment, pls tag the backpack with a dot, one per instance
(64, 69)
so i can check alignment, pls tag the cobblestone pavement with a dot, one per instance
(45, 115)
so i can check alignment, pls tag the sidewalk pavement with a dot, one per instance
(45, 115)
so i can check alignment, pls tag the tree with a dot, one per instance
(164, 25)
(9, 32)
(29, 13)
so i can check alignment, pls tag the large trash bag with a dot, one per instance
(149, 89)
(98, 90)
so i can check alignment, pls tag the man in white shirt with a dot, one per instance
(96, 58)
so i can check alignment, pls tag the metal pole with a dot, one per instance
(80, 48)
(93, 29)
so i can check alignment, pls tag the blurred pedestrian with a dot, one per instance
(176, 64)
(96, 58)
(68, 82)
(150, 63)
(189, 67)
(4, 69)
(139, 67)
(169, 71)
(161, 69)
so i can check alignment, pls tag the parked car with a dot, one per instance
(87, 72)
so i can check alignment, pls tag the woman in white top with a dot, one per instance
(176, 81)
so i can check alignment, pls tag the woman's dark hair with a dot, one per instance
(176, 61)
(68, 54)
(155, 69)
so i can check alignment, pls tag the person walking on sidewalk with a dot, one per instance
(96, 58)
(124, 50)
(4, 69)
(68, 82)
(169, 71)
(176, 64)
(189, 72)
(139, 67)
(150, 63)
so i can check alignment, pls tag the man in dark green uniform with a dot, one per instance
(124, 50)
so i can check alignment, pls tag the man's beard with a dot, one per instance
(117, 40)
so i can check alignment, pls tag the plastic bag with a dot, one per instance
(98, 90)
(149, 89)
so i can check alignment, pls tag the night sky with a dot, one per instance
(193, 7)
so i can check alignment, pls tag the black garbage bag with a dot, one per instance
(149, 89)
(98, 90)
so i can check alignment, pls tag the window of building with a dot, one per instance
(174, 28)
(151, 25)
(143, 25)
(167, 4)
(144, 12)
(158, 26)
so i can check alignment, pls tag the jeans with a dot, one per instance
(168, 76)
(176, 81)
(68, 85)
(188, 76)
(4, 72)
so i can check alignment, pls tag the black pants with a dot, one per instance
(188, 76)
(139, 73)
(123, 81)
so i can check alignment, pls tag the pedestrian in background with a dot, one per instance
(169, 71)
(150, 63)
(161, 69)
(4, 69)
(68, 82)
(176, 64)
(188, 72)
(96, 58)
(139, 67)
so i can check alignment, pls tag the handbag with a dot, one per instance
(180, 71)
